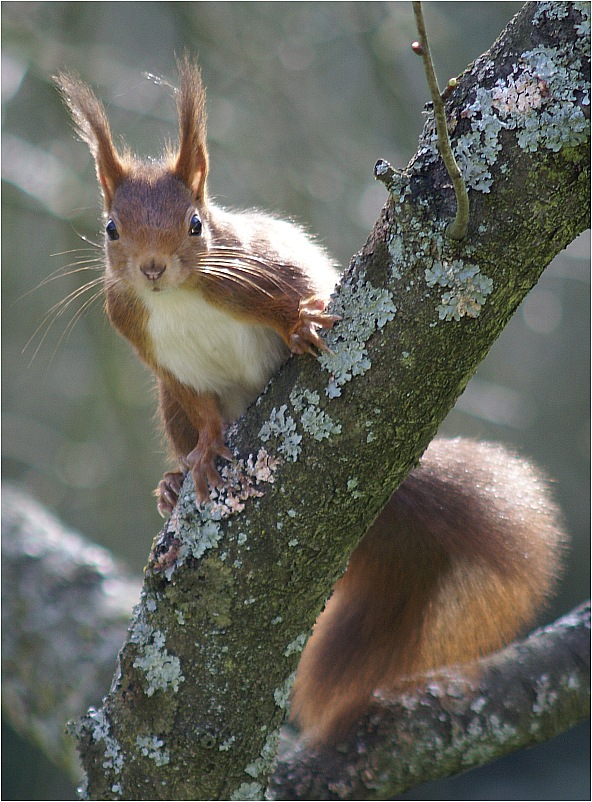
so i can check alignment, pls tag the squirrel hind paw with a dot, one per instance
(201, 463)
(167, 492)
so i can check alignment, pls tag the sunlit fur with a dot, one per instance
(213, 315)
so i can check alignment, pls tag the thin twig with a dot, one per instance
(458, 228)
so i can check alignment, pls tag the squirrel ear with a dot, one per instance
(190, 163)
(92, 125)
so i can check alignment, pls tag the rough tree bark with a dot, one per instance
(231, 592)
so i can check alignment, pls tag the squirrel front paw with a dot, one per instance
(304, 337)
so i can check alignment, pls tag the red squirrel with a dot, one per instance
(213, 302)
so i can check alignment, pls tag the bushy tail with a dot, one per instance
(460, 560)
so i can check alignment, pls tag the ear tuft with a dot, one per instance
(190, 163)
(92, 125)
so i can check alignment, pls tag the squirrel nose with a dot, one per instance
(153, 270)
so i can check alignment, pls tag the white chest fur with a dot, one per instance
(211, 351)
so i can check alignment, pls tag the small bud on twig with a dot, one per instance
(450, 87)
(417, 48)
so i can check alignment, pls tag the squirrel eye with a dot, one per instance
(195, 226)
(111, 230)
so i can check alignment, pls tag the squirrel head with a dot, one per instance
(154, 211)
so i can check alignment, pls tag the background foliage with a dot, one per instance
(303, 99)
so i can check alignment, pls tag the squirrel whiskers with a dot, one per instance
(58, 309)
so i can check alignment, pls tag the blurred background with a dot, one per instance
(303, 98)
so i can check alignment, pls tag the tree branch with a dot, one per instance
(65, 609)
(229, 596)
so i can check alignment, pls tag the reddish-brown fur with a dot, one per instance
(256, 270)
(466, 549)
(456, 564)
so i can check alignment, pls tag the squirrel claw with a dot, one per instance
(304, 338)
(201, 463)
(168, 491)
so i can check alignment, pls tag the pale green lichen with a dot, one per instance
(247, 791)
(196, 533)
(557, 11)
(480, 740)
(150, 602)
(162, 669)
(141, 629)
(466, 288)
(501, 730)
(262, 766)
(540, 99)
(113, 756)
(546, 698)
(477, 150)
(200, 538)
(314, 420)
(151, 746)
(201, 530)
(572, 682)
(478, 704)
(352, 487)
(282, 427)
(226, 745)
(583, 27)
(282, 694)
(297, 645)
(365, 309)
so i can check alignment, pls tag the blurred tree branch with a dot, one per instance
(203, 678)
(65, 609)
